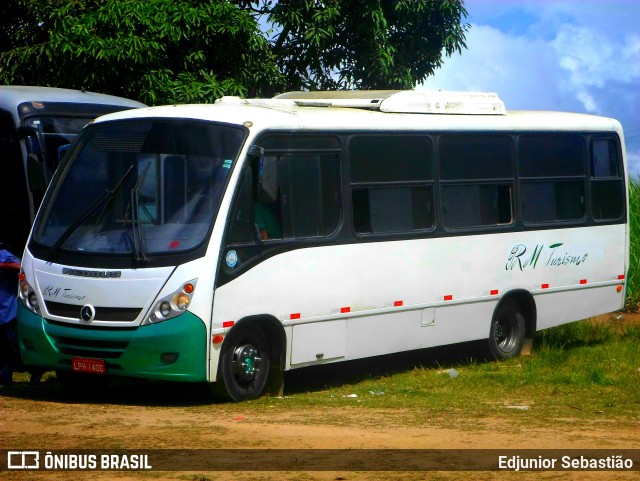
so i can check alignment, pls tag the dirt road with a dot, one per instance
(143, 415)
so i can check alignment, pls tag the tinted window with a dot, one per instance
(474, 205)
(604, 161)
(475, 157)
(390, 158)
(607, 199)
(307, 203)
(551, 155)
(552, 201)
(607, 185)
(392, 209)
(309, 200)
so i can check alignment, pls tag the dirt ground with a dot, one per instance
(143, 416)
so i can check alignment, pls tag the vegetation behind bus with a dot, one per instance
(633, 286)
(170, 51)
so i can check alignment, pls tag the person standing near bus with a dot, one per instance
(9, 353)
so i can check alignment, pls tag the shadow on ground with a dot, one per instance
(130, 391)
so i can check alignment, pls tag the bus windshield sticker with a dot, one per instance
(232, 258)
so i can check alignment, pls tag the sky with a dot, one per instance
(573, 55)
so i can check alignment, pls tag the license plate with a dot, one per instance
(93, 366)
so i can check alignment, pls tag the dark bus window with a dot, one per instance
(475, 205)
(607, 199)
(391, 158)
(552, 201)
(604, 161)
(463, 157)
(551, 156)
(309, 200)
(607, 185)
(392, 209)
(307, 203)
(241, 222)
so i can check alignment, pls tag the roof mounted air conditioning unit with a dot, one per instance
(403, 101)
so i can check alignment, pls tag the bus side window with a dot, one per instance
(391, 183)
(309, 200)
(552, 178)
(607, 185)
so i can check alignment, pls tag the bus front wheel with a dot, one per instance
(507, 332)
(244, 364)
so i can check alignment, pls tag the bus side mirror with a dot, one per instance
(267, 178)
(35, 174)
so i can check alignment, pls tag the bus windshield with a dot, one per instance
(139, 188)
(54, 132)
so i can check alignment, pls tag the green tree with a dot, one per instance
(160, 51)
(176, 51)
(364, 44)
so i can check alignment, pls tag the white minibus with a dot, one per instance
(229, 243)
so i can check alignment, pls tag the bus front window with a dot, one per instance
(139, 188)
(52, 133)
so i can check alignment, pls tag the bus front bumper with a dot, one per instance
(174, 350)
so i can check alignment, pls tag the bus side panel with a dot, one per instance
(410, 294)
(575, 305)
(403, 331)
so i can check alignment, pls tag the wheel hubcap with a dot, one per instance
(246, 363)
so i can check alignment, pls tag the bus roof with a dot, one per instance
(395, 110)
(13, 95)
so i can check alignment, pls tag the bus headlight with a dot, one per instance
(28, 296)
(165, 309)
(172, 305)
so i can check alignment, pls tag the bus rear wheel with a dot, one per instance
(507, 332)
(244, 364)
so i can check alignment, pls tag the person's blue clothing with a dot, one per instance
(9, 353)
(8, 287)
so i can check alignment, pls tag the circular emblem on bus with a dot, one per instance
(232, 258)
(87, 313)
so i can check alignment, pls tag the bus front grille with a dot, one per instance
(113, 314)
(97, 348)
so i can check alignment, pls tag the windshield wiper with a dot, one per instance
(138, 244)
(105, 196)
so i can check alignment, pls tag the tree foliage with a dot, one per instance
(171, 51)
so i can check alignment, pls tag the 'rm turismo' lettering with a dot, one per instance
(102, 274)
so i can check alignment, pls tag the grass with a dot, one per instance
(583, 370)
(633, 286)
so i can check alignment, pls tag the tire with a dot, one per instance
(82, 383)
(244, 364)
(507, 332)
